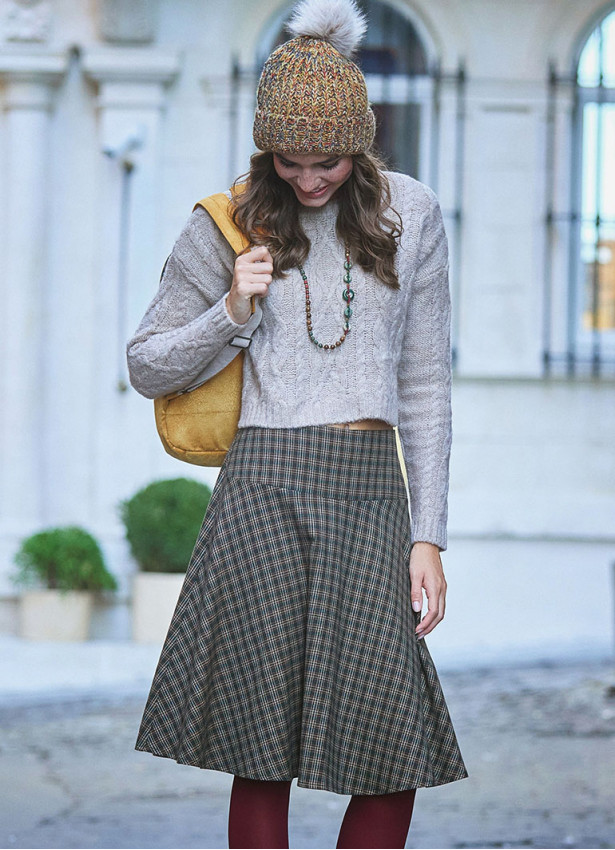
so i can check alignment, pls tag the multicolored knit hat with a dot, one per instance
(312, 97)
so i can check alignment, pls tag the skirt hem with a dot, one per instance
(301, 781)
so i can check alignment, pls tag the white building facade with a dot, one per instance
(117, 115)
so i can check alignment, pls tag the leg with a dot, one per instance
(258, 813)
(379, 820)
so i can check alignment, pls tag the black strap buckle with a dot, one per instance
(241, 341)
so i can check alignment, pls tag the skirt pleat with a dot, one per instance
(292, 650)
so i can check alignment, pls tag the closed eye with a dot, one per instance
(327, 167)
(285, 162)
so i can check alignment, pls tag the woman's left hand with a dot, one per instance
(426, 573)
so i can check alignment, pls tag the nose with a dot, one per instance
(307, 182)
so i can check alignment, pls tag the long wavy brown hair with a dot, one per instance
(267, 212)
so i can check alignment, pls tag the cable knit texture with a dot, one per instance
(394, 365)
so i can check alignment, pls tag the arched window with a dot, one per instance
(595, 296)
(579, 316)
(395, 65)
(400, 87)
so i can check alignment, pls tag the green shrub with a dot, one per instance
(163, 521)
(66, 558)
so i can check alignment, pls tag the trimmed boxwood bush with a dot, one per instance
(66, 558)
(163, 521)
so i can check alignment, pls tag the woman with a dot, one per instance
(296, 649)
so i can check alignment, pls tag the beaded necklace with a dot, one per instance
(347, 295)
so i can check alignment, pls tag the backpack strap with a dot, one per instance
(219, 207)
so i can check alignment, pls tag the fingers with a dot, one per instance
(257, 270)
(426, 574)
(252, 275)
(416, 597)
(258, 260)
(253, 272)
(252, 284)
(436, 606)
(258, 253)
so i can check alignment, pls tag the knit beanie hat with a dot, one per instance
(312, 97)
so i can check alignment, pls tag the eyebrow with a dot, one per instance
(322, 162)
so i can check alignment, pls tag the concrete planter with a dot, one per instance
(154, 598)
(55, 615)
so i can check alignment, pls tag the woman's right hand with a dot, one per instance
(251, 276)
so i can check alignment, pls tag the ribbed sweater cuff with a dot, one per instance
(428, 530)
(216, 326)
(231, 321)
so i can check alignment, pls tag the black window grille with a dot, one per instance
(579, 317)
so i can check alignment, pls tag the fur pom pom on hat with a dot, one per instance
(337, 21)
(312, 97)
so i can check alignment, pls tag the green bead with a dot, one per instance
(347, 265)
(347, 278)
(348, 294)
(348, 312)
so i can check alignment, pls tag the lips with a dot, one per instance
(319, 193)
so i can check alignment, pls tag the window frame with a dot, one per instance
(569, 348)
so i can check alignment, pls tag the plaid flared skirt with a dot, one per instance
(292, 650)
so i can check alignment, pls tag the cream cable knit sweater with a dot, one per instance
(394, 365)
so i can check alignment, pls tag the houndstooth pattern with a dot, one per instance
(292, 650)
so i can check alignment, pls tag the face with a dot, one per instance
(314, 177)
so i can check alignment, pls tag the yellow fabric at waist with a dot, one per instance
(363, 425)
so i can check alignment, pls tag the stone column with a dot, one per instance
(504, 231)
(449, 186)
(26, 87)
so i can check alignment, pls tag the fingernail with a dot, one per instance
(420, 635)
(416, 605)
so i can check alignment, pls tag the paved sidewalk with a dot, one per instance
(538, 740)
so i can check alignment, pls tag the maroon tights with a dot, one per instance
(258, 816)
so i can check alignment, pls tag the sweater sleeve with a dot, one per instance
(187, 324)
(424, 383)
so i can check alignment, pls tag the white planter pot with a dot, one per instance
(154, 598)
(55, 615)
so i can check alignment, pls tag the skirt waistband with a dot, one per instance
(363, 425)
(333, 462)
